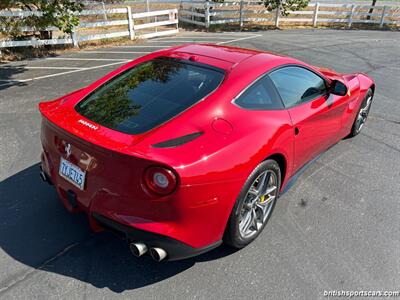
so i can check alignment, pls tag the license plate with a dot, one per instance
(72, 173)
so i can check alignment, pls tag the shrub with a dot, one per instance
(285, 6)
(55, 13)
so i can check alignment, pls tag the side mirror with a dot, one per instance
(338, 88)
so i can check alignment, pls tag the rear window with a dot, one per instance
(149, 94)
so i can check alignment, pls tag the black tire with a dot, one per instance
(232, 236)
(356, 128)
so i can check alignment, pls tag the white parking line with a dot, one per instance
(178, 41)
(240, 39)
(124, 46)
(221, 34)
(7, 81)
(193, 40)
(54, 68)
(61, 73)
(196, 37)
(118, 60)
(115, 52)
(80, 58)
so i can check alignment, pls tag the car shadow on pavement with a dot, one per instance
(7, 73)
(37, 231)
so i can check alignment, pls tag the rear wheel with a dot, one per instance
(362, 114)
(254, 205)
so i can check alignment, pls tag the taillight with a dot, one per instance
(160, 180)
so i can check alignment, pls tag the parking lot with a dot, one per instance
(337, 228)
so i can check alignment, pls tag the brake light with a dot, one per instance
(159, 180)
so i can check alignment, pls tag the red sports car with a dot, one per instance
(188, 147)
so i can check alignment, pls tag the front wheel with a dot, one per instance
(362, 114)
(254, 205)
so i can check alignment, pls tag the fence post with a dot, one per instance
(315, 17)
(174, 16)
(105, 13)
(130, 22)
(241, 15)
(207, 15)
(278, 12)
(353, 7)
(74, 38)
(383, 17)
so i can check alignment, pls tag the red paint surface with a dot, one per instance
(212, 168)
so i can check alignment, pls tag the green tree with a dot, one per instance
(285, 6)
(56, 13)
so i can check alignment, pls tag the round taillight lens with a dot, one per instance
(159, 180)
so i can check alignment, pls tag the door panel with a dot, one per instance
(316, 115)
(317, 124)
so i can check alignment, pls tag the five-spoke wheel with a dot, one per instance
(254, 205)
(362, 114)
(257, 204)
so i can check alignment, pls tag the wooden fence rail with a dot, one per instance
(210, 13)
(137, 25)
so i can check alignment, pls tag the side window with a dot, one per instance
(297, 85)
(260, 95)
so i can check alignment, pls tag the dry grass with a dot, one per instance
(21, 53)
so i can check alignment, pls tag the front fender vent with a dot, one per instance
(178, 141)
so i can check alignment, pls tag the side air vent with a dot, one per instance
(178, 141)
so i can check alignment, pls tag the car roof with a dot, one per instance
(229, 54)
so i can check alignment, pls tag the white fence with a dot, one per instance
(211, 13)
(118, 22)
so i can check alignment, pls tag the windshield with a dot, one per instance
(149, 94)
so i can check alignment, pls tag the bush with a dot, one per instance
(55, 13)
(285, 6)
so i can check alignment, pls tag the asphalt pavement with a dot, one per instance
(337, 228)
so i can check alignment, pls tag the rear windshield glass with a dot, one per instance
(149, 94)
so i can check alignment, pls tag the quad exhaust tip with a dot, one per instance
(43, 176)
(158, 254)
(138, 249)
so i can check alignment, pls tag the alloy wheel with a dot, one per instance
(258, 203)
(363, 114)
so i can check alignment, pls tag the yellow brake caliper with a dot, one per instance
(262, 198)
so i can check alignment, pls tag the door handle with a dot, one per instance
(296, 131)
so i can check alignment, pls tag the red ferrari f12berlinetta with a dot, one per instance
(188, 147)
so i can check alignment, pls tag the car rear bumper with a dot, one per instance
(175, 249)
(101, 219)
(187, 223)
